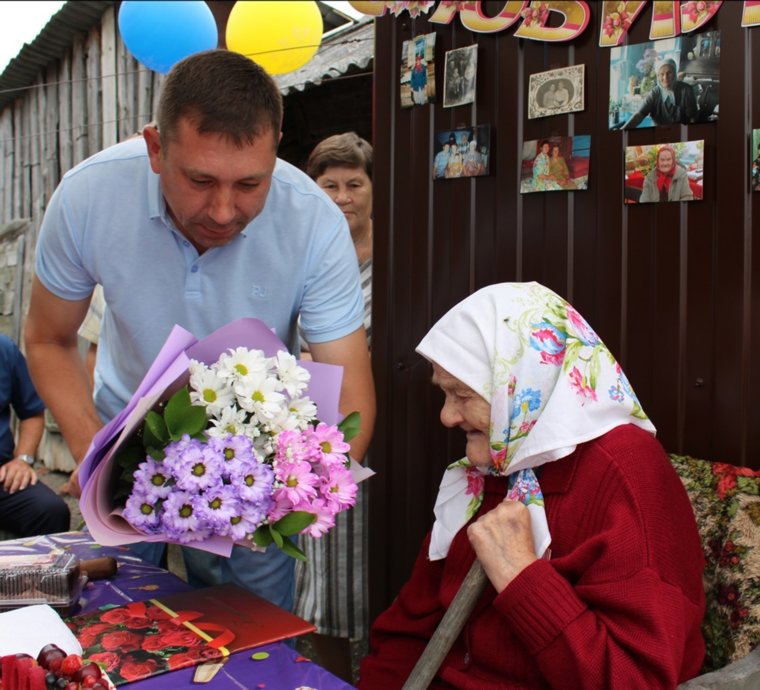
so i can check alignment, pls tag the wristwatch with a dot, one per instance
(28, 459)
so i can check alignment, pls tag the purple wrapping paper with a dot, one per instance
(168, 373)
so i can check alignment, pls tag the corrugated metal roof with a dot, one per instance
(346, 51)
(72, 20)
(342, 52)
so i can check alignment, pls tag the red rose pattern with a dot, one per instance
(131, 645)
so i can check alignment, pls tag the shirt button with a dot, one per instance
(194, 269)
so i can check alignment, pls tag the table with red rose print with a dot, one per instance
(274, 666)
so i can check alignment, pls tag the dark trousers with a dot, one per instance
(35, 510)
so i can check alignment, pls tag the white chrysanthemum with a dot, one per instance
(304, 410)
(260, 395)
(293, 376)
(231, 421)
(206, 388)
(285, 420)
(241, 363)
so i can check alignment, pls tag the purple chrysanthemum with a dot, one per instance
(233, 451)
(153, 478)
(143, 512)
(253, 481)
(180, 518)
(218, 505)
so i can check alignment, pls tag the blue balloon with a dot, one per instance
(159, 33)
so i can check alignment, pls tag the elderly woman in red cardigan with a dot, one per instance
(582, 526)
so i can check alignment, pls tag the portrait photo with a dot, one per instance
(459, 76)
(418, 71)
(555, 92)
(664, 172)
(462, 152)
(672, 81)
(555, 164)
(754, 156)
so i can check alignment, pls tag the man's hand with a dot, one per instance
(503, 542)
(16, 475)
(72, 486)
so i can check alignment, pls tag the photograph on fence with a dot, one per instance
(555, 164)
(459, 76)
(462, 152)
(664, 172)
(418, 71)
(672, 81)
(555, 92)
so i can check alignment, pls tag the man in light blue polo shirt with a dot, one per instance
(198, 223)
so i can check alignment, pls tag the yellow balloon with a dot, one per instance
(279, 36)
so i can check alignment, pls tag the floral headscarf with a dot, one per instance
(551, 383)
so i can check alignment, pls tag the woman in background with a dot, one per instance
(542, 179)
(558, 170)
(331, 586)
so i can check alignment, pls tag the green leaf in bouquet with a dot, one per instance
(155, 433)
(276, 536)
(289, 548)
(262, 536)
(350, 425)
(293, 523)
(182, 417)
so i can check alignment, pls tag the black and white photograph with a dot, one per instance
(459, 76)
(555, 92)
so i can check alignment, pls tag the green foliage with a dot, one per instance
(285, 527)
(168, 422)
(350, 426)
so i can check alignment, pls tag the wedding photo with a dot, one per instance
(555, 92)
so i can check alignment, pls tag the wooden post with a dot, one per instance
(448, 629)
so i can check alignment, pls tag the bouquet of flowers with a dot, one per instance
(222, 445)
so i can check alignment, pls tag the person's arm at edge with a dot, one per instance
(358, 389)
(58, 370)
(16, 475)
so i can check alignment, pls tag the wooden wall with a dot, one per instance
(673, 289)
(95, 96)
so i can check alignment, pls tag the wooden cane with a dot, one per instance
(448, 629)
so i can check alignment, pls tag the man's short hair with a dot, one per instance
(221, 92)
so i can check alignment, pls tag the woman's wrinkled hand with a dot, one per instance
(503, 542)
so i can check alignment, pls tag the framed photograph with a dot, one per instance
(459, 76)
(664, 172)
(556, 91)
(754, 156)
(418, 71)
(672, 81)
(462, 152)
(555, 164)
